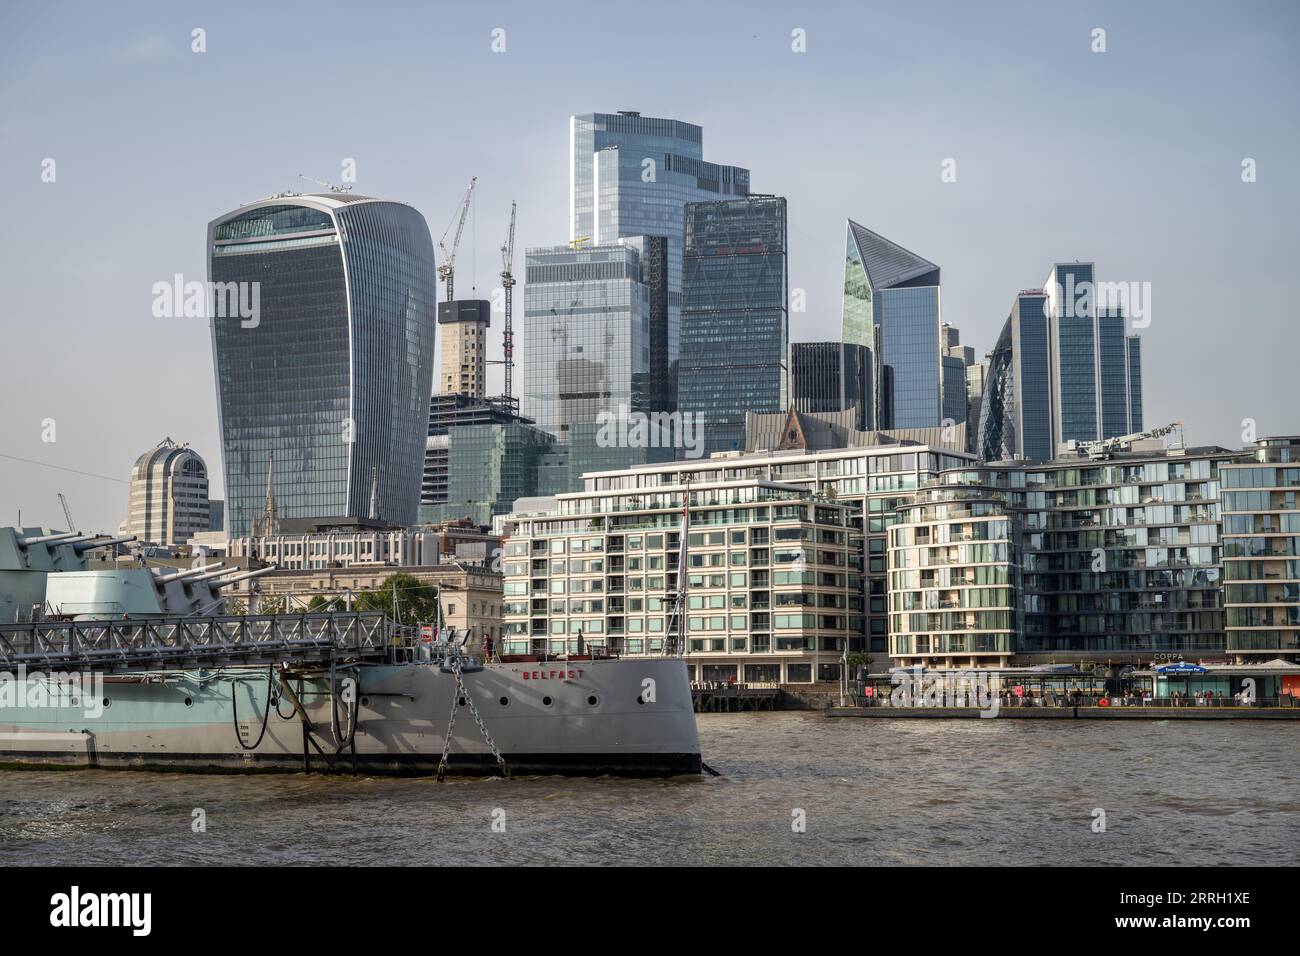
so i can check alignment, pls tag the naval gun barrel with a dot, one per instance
(187, 573)
(61, 536)
(213, 571)
(256, 573)
(101, 542)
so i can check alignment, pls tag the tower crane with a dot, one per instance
(507, 285)
(66, 513)
(447, 268)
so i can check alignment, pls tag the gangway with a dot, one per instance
(178, 642)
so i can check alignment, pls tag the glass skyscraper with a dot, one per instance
(891, 306)
(489, 465)
(333, 376)
(586, 335)
(831, 377)
(1062, 370)
(632, 175)
(735, 321)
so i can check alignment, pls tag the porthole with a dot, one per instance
(640, 699)
(365, 701)
(593, 700)
(546, 701)
(189, 701)
(505, 701)
(108, 702)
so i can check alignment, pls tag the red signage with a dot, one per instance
(552, 675)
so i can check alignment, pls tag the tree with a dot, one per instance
(416, 601)
(273, 605)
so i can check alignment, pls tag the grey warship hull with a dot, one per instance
(622, 716)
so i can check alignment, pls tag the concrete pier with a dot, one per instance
(1149, 712)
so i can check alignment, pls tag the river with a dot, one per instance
(795, 788)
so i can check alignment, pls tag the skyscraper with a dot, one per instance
(464, 324)
(586, 334)
(1062, 370)
(632, 175)
(735, 321)
(831, 377)
(891, 306)
(334, 373)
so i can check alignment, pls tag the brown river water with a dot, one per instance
(870, 792)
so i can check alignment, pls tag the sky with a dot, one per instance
(1131, 157)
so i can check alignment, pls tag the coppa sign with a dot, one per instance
(552, 675)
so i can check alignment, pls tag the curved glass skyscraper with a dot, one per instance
(333, 371)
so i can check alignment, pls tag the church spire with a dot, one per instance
(374, 494)
(267, 525)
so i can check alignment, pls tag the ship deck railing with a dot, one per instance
(164, 642)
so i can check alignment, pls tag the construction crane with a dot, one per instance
(330, 186)
(447, 268)
(1102, 449)
(66, 513)
(507, 285)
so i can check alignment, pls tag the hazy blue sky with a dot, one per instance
(1131, 158)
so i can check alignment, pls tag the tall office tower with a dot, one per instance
(831, 377)
(1090, 357)
(464, 325)
(333, 374)
(586, 335)
(1016, 413)
(1261, 550)
(735, 321)
(891, 305)
(169, 495)
(956, 359)
(1063, 370)
(638, 172)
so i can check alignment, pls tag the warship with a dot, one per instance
(142, 668)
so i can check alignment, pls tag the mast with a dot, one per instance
(678, 616)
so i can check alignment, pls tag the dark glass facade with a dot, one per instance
(1074, 310)
(334, 377)
(1113, 365)
(1058, 376)
(632, 175)
(954, 390)
(1031, 336)
(735, 322)
(831, 377)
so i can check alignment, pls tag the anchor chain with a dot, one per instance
(461, 691)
